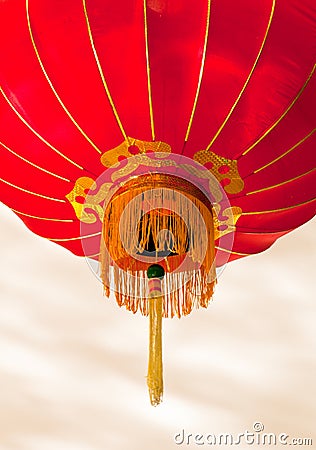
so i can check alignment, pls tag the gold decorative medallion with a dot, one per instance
(223, 169)
(132, 147)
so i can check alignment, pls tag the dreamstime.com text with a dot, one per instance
(255, 437)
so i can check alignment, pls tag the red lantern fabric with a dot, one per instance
(234, 79)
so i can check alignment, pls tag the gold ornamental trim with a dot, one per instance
(89, 208)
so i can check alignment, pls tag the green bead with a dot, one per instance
(155, 271)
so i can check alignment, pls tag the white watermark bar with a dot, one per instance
(255, 437)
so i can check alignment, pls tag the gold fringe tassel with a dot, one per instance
(155, 366)
(175, 216)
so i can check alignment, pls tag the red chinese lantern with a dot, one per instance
(181, 132)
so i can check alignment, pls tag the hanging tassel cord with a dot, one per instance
(155, 274)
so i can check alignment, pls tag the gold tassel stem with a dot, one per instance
(155, 376)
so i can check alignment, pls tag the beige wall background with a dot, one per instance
(73, 365)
